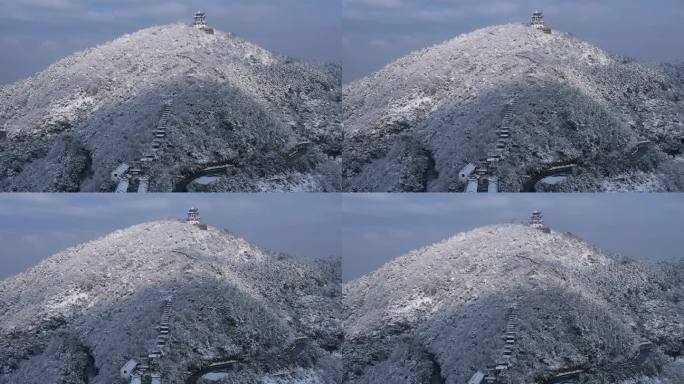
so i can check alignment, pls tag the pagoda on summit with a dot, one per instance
(538, 22)
(537, 222)
(193, 216)
(201, 22)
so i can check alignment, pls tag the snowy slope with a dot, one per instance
(235, 103)
(420, 119)
(92, 307)
(438, 314)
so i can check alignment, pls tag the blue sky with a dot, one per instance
(35, 226)
(376, 228)
(367, 230)
(36, 33)
(379, 31)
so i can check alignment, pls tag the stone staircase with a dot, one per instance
(139, 172)
(148, 371)
(498, 373)
(484, 175)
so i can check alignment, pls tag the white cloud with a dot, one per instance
(31, 238)
(376, 3)
(49, 44)
(38, 4)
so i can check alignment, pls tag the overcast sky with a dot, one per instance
(35, 226)
(379, 227)
(36, 33)
(367, 230)
(378, 31)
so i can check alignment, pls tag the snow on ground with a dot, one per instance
(413, 124)
(553, 180)
(441, 310)
(296, 182)
(299, 376)
(99, 303)
(207, 180)
(438, 311)
(634, 182)
(69, 110)
(215, 376)
(67, 300)
(409, 108)
(70, 125)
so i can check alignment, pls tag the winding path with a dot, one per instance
(557, 170)
(212, 170)
(217, 367)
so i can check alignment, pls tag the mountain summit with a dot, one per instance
(529, 304)
(197, 294)
(173, 101)
(515, 102)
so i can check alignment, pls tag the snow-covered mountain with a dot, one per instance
(435, 315)
(82, 313)
(413, 125)
(270, 122)
(440, 314)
